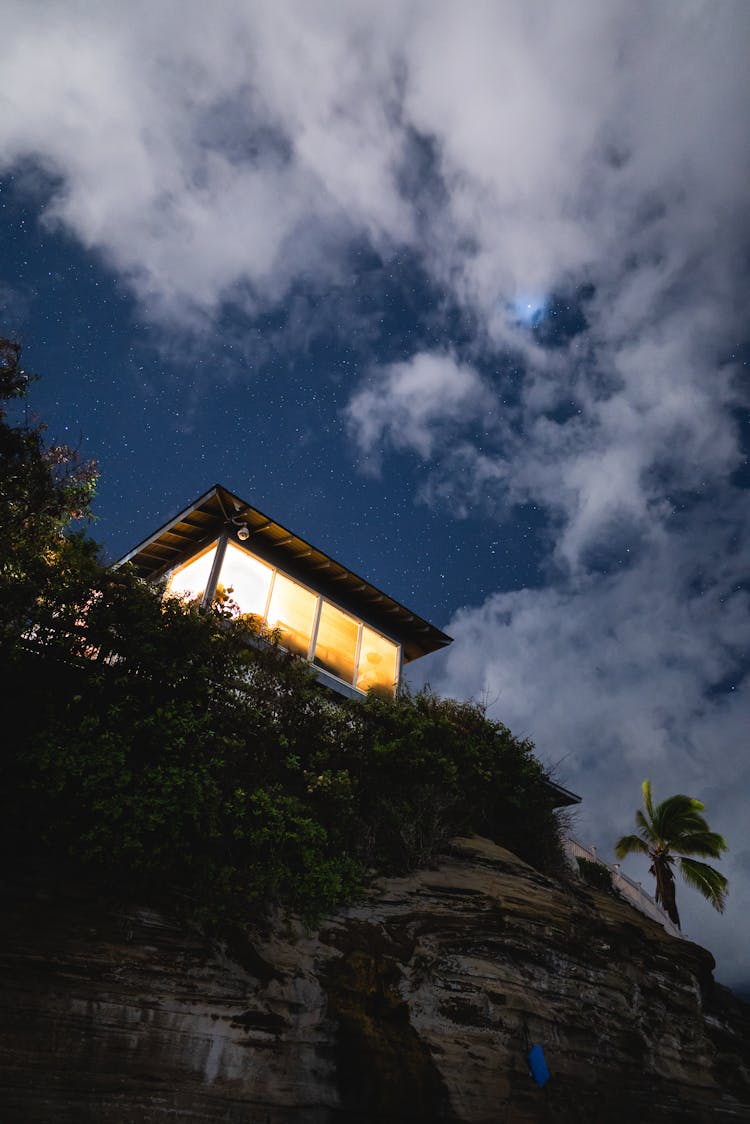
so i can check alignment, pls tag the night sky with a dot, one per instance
(257, 408)
(457, 294)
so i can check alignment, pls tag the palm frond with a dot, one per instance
(708, 844)
(707, 880)
(630, 844)
(676, 827)
(645, 825)
(678, 815)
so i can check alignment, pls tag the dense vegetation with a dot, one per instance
(157, 745)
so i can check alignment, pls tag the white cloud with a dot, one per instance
(201, 152)
(412, 405)
(563, 133)
(612, 679)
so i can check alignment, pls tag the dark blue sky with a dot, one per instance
(458, 294)
(252, 409)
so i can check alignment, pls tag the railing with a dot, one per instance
(630, 890)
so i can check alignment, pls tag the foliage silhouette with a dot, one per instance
(43, 487)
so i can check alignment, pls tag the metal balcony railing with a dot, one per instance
(633, 892)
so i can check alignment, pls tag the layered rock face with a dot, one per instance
(421, 1004)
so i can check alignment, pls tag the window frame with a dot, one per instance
(224, 541)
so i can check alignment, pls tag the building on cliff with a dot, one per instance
(356, 637)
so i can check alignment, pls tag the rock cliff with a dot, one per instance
(418, 1005)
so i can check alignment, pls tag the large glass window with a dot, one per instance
(377, 663)
(292, 612)
(246, 580)
(190, 581)
(343, 645)
(336, 642)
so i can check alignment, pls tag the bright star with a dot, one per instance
(529, 308)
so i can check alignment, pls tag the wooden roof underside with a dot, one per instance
(202, 522)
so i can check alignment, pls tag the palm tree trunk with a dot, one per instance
(665, 889)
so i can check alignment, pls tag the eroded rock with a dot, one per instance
(418, 1005)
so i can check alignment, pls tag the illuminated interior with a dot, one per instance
(291, 612)
(378, 662)
(246, 580)
(306, 623)
(336, 642)
(190, 581)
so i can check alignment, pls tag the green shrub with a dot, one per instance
(596, 874)
(197, 761)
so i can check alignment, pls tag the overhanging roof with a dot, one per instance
(203, 520)
(564, 798)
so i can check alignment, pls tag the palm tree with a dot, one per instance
(676, 828)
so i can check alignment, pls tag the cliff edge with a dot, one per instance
(420, 1004)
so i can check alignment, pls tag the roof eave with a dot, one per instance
(417, 635)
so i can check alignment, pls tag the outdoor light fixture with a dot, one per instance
(243, 532)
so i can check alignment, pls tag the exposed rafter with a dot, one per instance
(218, 509)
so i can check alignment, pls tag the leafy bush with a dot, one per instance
(177, 753)
(42, 488)
(595, 874)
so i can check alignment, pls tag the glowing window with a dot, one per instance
(289, 608)
(292, 612)
(336, 642)
(246, 580)
(190, 581)
(377, 663)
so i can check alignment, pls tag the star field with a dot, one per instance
(252, 410)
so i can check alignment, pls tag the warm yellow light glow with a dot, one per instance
(377, 663)
(336, 643)
(292, 612)
(246, 579)
(189, 581)
(289, 609)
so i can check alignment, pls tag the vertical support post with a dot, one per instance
(314, 630)
(213, 578)
(357, 653)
